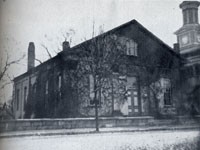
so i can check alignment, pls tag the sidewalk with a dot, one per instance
(92, 130)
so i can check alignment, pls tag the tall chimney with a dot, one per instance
(190, 12)
(31, 56)
(65, 45)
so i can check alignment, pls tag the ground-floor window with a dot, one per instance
(17, 98)
(25, 96)
(167, 96)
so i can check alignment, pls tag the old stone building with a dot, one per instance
(138, 74)
(141, 84)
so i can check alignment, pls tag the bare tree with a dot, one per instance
(38, 60)
(47, 50)
(6, 80)
(100, 55)
(67, 35)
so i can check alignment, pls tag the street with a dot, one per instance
(101, 141)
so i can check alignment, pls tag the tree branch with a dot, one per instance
(38, 60)
(8, 64)
(47, 50)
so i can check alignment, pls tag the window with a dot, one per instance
(59, 88)
(59, 82)
(17, 98)
(91, 82)
(46, 87)
(46, 94)
(25, 95)
(167, 96)
(131, 48)
(167, 91)
(184, 17)
(190, 17)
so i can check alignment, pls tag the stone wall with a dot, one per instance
(72, 123)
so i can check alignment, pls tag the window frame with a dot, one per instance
(167, 97)
(25, 96)
(17, 98)
(131, 48)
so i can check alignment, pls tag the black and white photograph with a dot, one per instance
(99, 75)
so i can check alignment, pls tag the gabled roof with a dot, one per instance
(132, 22)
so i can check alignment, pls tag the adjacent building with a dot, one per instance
(188, 38)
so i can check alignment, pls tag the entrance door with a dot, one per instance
(133, 97)
(133, 102)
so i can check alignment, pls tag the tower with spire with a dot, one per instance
(188, 36)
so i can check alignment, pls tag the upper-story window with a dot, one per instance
(131, 48)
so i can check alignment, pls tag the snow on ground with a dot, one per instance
(102, 141)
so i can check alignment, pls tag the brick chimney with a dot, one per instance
(65, 45)
(176, 48)
(190, 12)
(31, 56)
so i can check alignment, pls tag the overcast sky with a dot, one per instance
(45, 21)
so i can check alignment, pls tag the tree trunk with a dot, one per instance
(112, 95)
(149, 100)
(156, 105)
(96, 115)
(139, 96)
(96, 106)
